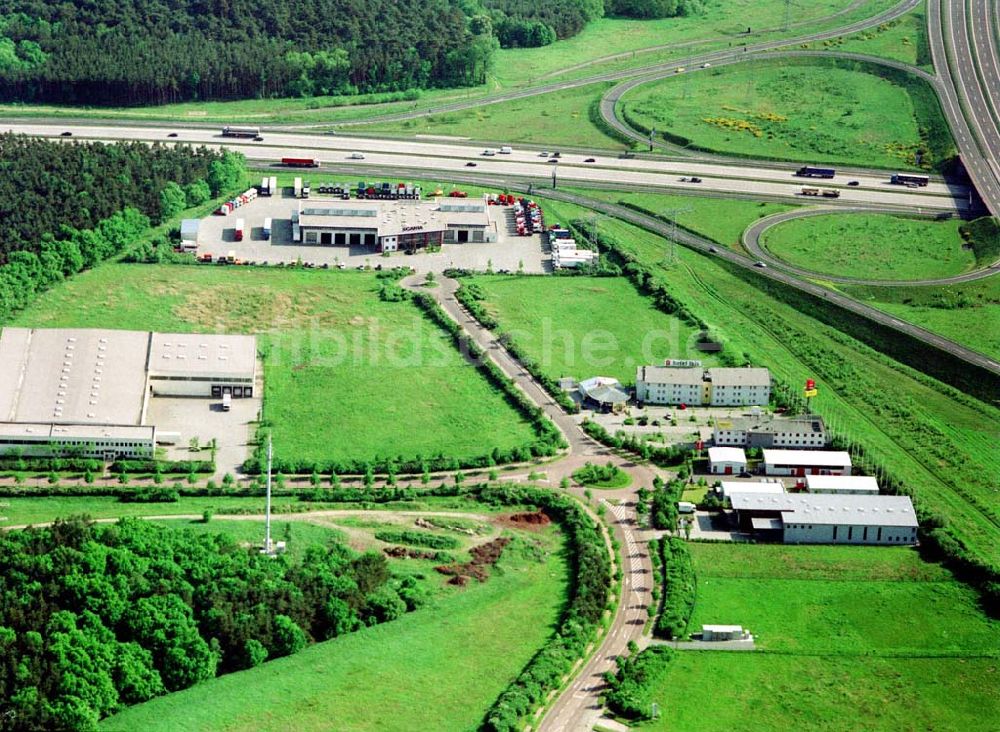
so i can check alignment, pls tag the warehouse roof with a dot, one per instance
(75, 431)
(392, 218)
(823, 508)
(604, 390)
(768, 424)
(666, 375)
(726, 455)
(72, 375)
(819, 458)
(198, 353)
(739, 376)
(854, 483)
(730, 487)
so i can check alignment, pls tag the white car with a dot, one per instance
(706, 65)
(356, 156)
(760, 264)
(489, 153)
(543, 154)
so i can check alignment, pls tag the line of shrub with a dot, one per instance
(662, 456)
(663, 506)
(679, 586)
(470, 295)
(417, 538)
(628, 689)
(590, 589)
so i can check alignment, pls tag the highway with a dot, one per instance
(439, 158)
(963, 97)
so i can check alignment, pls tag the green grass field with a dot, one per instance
(585, 326)
(968, 313)
(940, 442)
(903, 39)
(347, 376)
(558, 118)
(440, 667)
(871, 246)
(854, 633)
(758, 110)
(722, 220)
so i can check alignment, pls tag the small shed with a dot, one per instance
(603, 393)
(723, 633)
(726, 460)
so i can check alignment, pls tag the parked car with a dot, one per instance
(746, 474)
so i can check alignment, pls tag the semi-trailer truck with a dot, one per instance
(298, 188)
(238, 231)
(229, 131)
(272, 185)
(808, 171)
(267, 228)
(300, 163)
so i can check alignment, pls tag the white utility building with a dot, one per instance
(806, 462)
(726, 460)
(765, 430)
(843, 484)
(729, 488)
(806, 518)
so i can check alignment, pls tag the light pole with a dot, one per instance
(555, 168)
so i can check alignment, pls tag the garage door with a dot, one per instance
(326, 238)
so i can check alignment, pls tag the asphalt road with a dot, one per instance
(753, 234)
(963, 97)
(438, 157)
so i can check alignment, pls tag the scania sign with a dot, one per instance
(412, 228)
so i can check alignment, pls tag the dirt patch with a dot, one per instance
(402, 552)
(484, 556)
(533, 521)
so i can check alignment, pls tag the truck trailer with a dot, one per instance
(299, 163)
(807, 171)
(238, 231)
(298, 188)
(267, 228)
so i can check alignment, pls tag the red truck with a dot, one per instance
(300, 163)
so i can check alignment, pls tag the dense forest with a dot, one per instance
(130, 52)
(93, 618)
(66, 207)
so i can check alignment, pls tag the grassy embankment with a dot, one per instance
(848, 633)
(854, 113)
(335, 355)
(439, 667)
(873, 246)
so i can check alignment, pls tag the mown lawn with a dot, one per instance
(873, 635)
(440, 667)
(875, 246)
(759, 110)
(346, 375)
(586, 326)
(967, 313)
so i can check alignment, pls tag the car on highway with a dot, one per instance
(258, 138)
(680, 70)
(853, 183)
(553, 160)
(692, 179)
(760, 264)
(470, 164)
(489, 152)
(706, 65)
(172, 134)
(713, 250)
(67, 133)
(556, 154)
(590, 160)
(544, 154)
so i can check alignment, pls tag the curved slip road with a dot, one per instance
(752, 242)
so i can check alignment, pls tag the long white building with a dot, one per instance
(766, 430)
(695, 386)
(806, 462)
(806, 518)
(842, 484)
(85, 392)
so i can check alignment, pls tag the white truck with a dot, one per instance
(298, 188)
(267, 228)
(506, 150)
(227, 402)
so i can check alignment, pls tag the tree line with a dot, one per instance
(133, 52)
(68, 207)
(97, 617)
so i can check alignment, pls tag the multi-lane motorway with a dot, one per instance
(440, 158)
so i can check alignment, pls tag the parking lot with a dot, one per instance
(216, 237)
(204, 419)
(684, 433)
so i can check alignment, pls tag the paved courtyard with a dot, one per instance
(216, 237)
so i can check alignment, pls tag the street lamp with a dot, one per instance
(555, 167)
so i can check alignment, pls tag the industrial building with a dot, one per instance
(842, 484)
(806, 518)
(726, 460)
(806, 462)
(729, 488)
(693, 385)
(86, 392)
(765, 430)
(603, 393)
(392, 225)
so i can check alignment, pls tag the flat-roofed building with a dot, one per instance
(199, 365)
(842, 484)
(729, 488)
(806, 518)
(765, 430)
(388, 226)
(806, 462)
(85, 392)
(669, 385)
(726, 460)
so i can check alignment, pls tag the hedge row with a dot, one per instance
(471, 295)
(590, 589)
(628, 689)
(662, 456)
(679, 584)
(417, 538)
(663, 506)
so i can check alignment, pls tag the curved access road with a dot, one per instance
(967, 101)
(668, 67)
(609, 102)
(578, 707)
(752, 242)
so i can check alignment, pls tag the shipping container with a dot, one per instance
(238, 231)
(267, 228)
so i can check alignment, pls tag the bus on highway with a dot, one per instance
(902, 179)
(807, 171)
